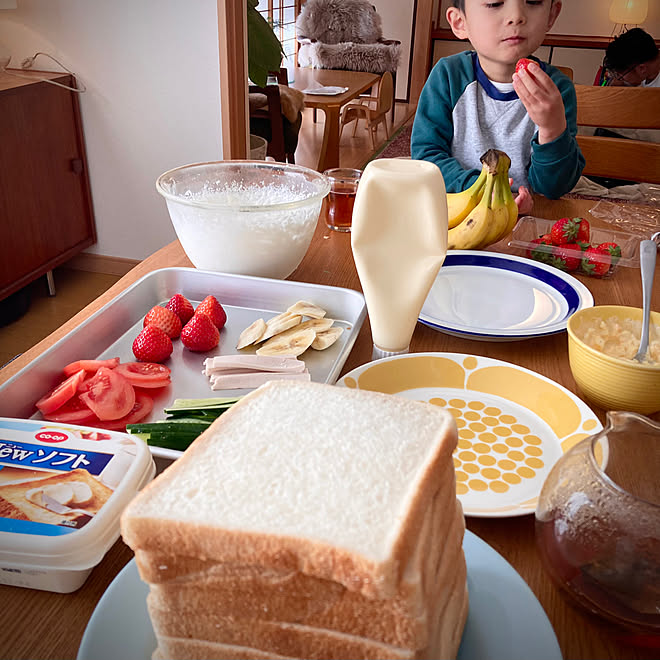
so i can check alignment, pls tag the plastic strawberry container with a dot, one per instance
(529, 228)
(62, 491)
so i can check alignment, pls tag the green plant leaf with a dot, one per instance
(264, 48)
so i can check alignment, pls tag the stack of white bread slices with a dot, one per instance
(309, 521)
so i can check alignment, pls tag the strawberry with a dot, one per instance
(563, 231)
(583, 234)
(165, 319)
(182, 307)
(200, 333)
(152, 345)
(213, 309)
(523, 63)
(567, 256)
(596, 262)
(540, 249)
(612, 249)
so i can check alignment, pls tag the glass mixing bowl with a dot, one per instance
(244, 217)
(598, 526)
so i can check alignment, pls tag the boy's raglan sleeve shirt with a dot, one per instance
(433, 128)
(556, 166)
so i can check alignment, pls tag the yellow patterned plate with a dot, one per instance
(513, 424)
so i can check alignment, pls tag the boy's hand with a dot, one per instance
(542, 100)
(524, 200)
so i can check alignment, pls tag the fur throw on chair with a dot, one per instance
(335, 21)
(291, 100)
(372, 58)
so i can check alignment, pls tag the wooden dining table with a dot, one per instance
(44, 625)
(356, 82)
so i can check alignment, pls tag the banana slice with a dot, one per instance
(293, 342)
(252, 334)
(307, 309)
(327, 338)
(279, 323)
(318, 325)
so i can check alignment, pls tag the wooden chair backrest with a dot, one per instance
(273, 112)
(385, 93)
(619, 107)
(566, 70)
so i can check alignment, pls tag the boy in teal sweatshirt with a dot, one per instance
(475, 101)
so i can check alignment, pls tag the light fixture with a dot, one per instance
(629, 12)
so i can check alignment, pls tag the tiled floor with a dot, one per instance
(74, 290)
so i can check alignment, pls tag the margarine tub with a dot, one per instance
(62, 491)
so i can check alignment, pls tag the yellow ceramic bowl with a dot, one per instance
(613, 383)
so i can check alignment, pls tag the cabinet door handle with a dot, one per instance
(77, 165)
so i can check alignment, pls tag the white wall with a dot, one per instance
(397, 24)
(152, 99)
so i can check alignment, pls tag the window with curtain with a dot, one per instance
(281, 14)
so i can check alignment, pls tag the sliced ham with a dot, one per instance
(252, 379)
(278, 363)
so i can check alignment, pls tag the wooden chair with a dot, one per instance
(566, 70)
(619, 107)
(270, 123)
(374, 116)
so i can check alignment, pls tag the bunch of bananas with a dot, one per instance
(486, 212)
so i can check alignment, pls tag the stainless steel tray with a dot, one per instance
(110, 332)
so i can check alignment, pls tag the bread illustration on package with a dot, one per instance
(51, 475)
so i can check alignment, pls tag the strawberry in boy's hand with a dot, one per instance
(523, 63)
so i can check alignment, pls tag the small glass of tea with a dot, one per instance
(338, 205)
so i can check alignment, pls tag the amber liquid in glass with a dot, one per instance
(338, 206)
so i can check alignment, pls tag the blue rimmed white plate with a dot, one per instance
(501, 297)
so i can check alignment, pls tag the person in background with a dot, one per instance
(633, 59)
(474, 101)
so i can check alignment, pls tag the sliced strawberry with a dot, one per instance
(612, 249)
(152, 345)
(213, 309)
(165, 319)
(181, 306)
(596, 262)
(200, 333)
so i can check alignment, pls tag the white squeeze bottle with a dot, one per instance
(399, 241)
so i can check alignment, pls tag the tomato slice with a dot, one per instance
(61, 394)
(142, 407)
(145, 374)
(90, 365)
(74, 411)
(109, 395)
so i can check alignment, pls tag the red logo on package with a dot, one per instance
(50, 436)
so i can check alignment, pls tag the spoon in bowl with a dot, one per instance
(647, 255)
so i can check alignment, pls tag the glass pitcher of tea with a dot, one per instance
(598, 526)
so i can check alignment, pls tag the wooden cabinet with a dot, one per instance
(46, 214)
